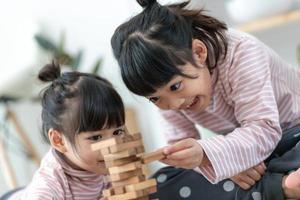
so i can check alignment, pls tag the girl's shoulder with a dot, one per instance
(239, 43)
(50, 171)
(237, 38)
(47, 180)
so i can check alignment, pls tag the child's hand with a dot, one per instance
(103, 198)
(247, 178)
(186, 153)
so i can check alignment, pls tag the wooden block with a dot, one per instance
(125, 168)
(151, 190)
(129, 181)
(150, 157)
(119, 155)
(106, 143)
(108, 192)
(121, 161)
(146, 171)
(142, 198)
(128, 195)
(125, 146)
(136, 136)
(141, 185)
(125, 175)
(105, 151)
(133, 137)
(119, 190)
(140, 149)
(146, 193)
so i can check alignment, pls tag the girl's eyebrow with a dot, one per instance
(173, 81)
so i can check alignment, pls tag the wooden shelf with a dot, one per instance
(270, 22)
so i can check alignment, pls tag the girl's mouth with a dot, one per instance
(193, 103)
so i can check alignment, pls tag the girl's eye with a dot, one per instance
(119, 132)
(95, 137)
(175, 87)
(153, 99)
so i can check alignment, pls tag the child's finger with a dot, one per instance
(183, 144)
(237, 180)
(244, 185)
(260, 168)
(169, 162)
(187, 164)
(254, 174)
(180, 155)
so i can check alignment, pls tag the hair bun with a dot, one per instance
(146, 3)
(49, 72)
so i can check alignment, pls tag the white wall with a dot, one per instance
(89, 25)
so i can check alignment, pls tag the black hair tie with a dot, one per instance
(146, 3)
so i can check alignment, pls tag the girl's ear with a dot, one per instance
(56, 140)
(200, 51)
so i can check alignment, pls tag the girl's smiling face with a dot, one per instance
(183, 93)
(83, 158)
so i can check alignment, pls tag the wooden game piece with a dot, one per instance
(125, 146)
(141, 185)
(150, 157)
(119, 155)
(121, 161)
(128, 195)
(140, 149)
(125, 168)
(132, 137)
(136, 136)
(108, 192)
(151, 190)
(125, 175)
(147, 192)
(119, 190)
(105, 151)
(106, 143)
(142, 198)
(129, 181)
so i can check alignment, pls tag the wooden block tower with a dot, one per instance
(123, 156)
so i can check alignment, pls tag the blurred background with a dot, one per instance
(78, 33)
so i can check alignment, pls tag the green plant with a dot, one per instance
(63, 57)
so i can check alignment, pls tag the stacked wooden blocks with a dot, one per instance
(123, 156)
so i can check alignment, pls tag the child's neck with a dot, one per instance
(68, 161)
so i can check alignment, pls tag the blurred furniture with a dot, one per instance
(8, 194)
(270, 22)
(7, 169)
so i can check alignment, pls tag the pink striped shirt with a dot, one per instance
(56, 180)
(255, 94)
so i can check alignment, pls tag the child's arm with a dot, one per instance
(250, 92)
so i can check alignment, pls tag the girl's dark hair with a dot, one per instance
(151, 45)
(77, 102)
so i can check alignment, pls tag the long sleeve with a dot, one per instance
(177, 126)
(252, 98)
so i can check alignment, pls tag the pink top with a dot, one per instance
(56, 180)
(255, 94)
